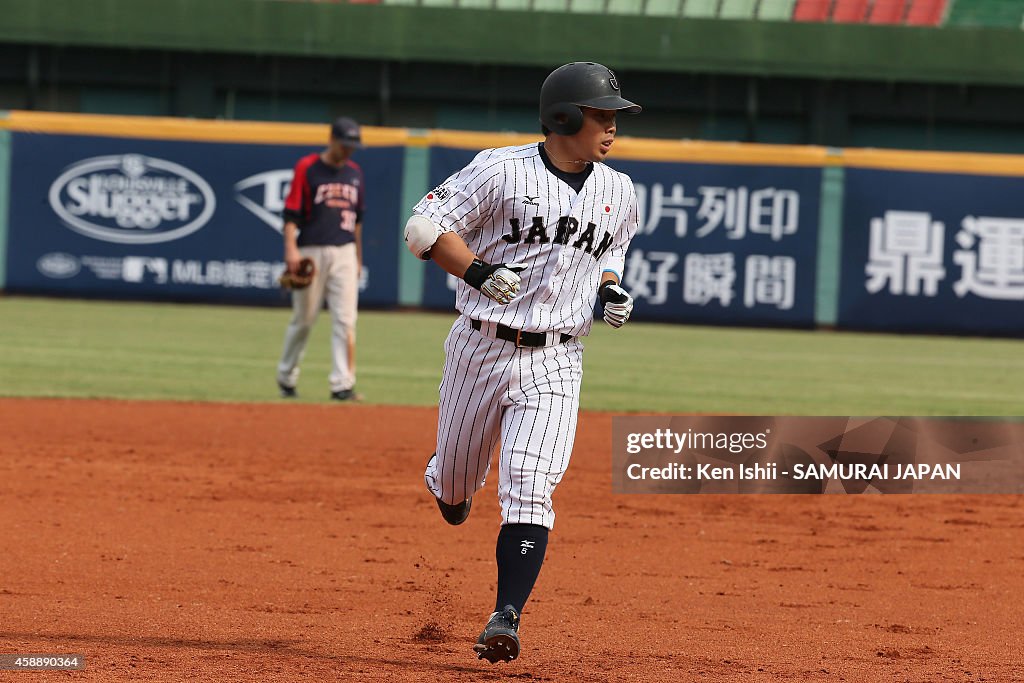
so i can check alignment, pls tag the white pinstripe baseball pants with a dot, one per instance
(527, 397)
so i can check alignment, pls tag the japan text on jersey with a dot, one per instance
(509, 207)
(325, 201)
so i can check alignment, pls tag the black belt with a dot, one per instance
(520, 338)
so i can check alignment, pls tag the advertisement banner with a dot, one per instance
(717, 243)
(155, 219)
(932, 252)
(724, 244)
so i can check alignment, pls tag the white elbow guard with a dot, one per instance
(420, 235)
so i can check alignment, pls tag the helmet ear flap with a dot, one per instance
(562, 118)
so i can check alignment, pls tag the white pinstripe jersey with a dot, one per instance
(509, 208)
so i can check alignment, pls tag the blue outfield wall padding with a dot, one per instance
(830, 229)
(5, 185)
(414, 186)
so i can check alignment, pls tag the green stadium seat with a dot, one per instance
(662, 8)
(1008, 13)
(587, 6)
(512, 4)
(700, 8)
(551, 5)
(737, 9)
(625, 6)
(775, 10)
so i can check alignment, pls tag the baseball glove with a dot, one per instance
(301, 278)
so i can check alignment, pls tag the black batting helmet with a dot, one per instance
(575, 85)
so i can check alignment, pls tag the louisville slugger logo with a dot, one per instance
(566, 228)
(132, 199)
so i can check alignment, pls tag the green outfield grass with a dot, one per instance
(217, 353)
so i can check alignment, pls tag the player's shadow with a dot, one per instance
(268, 647)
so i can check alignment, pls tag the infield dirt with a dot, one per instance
(228, 542)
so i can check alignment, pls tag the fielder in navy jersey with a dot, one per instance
(323, 221)
(538, 234)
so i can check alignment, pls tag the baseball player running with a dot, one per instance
(537, 233)
(323, 221)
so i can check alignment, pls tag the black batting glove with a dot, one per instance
(617, 303)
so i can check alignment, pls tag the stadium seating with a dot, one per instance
(700, 9)
(775, 10)
(849, 11)
(910, 12)
(887, 12)
(663, 8)
(625, 6)
(737, 9)
(1008, 13)
(925, 13)
(812, 10)
(551, 5)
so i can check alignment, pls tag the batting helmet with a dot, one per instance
(575, 85)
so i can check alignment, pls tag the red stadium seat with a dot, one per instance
(926, 12)
(850, 11)
(812, 10)
(887, 12)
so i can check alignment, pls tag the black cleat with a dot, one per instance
(454, 514)
(345, 395)
(287, 391)
(499, 641)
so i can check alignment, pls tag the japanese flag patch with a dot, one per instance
(440, 193)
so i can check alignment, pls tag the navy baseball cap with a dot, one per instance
(347, 132)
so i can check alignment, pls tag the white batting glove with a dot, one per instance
(503, 284)
(498, 282)
(618, 304)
